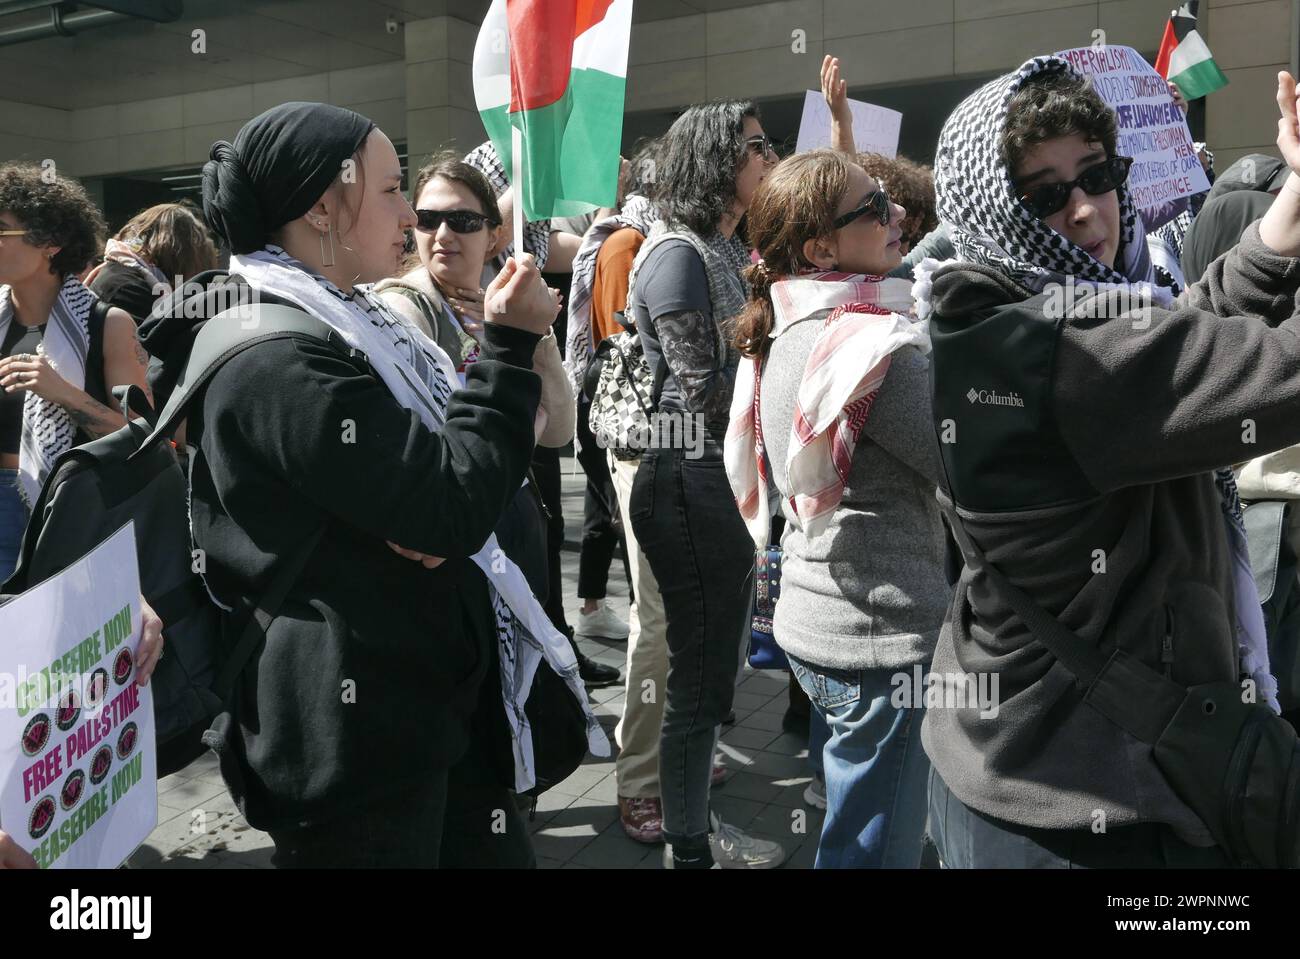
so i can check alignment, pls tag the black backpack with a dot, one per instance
(133, 474)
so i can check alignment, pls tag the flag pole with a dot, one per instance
(517, 180)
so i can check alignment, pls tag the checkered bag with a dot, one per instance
(621, 398)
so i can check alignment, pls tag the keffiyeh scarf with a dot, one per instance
(987, 223)
(638, 214)
(420, 376)
(842, 376)
(48, 430)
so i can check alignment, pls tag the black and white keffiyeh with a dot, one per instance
(48, 430)
(638, 214)
(420, 376)
(988, 225)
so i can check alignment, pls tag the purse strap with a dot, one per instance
(1122, 688)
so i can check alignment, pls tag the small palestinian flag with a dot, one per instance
(556, 70)
(1185, 59)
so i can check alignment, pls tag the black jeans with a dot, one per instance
(600, 533)
(686, 521)
(968, 839)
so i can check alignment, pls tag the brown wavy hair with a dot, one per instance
(797, 202)
(911, 186)
(173, 237)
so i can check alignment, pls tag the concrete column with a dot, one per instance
(440, 111)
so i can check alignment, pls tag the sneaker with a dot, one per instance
(604, 623)
(815, 794)
(597, 675)
(642, 819)
(733, 849)
(720, 773)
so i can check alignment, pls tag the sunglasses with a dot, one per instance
(1043, 201)
(460, 221)
(877, 204)
(762, 145)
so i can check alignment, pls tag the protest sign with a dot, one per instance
(875, 129)
(78, 773)
(1152, 130)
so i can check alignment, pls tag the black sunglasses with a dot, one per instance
(877, 204)
(460, 221)
(1043, 201)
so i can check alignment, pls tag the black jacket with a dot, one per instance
(369, 675)
(125, 287)
(1061, 435)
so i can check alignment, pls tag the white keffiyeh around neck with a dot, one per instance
(48, 430)
(420, 376)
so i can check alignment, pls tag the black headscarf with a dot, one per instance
(281, 163)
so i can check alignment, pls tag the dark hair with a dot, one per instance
(697, 163)
(55, 211)
(796, 203)
(643, 166)
(173, 237)
(911, 186)
(1051, 105)
(448, 165)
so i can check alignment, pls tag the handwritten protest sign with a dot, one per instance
(1152, 130)
(875, 129)
(78, 774)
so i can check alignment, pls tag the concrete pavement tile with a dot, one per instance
(733, 809)
(583, 778)
(749, 701)
(734, 758)
(612, 850)
(544, 863)
(776, 765)
(760, 683)
(761, 720)
(748, 737)
(605, 791)
(746, 785)
(194, 793)
(804, 856)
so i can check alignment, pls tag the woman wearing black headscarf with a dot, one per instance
(365, 692)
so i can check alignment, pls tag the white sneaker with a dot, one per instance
(815, 794)
(733, 849)
(604, 623)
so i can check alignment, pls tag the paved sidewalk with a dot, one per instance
(576, 825)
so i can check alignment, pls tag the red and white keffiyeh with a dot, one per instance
(841, 378)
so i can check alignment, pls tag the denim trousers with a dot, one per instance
(684, 516)
(874, 767)
(13, 522)
(968, 839)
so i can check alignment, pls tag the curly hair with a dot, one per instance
(698, 159)
(1052, 105)
(55, 212)
(911, 186)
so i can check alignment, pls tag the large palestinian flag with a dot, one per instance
(1185, 59)
(556, 69)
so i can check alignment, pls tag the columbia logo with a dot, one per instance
(994, 398)
(972, 395)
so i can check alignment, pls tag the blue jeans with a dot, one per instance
(875, 770)
(968, 839)
(13, 522)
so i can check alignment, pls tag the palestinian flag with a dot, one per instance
(557, 70)
(1185, 59)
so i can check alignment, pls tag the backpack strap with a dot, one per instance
(1123, 689)
(227, 335)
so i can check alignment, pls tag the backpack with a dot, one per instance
(133, 474)
(623, 393)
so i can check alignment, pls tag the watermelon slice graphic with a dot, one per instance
(69, 710)
(99, 766)
(126, 740)
(96, 688)
(122, 667)
(42, 817)
(73, 787)
(37, 734)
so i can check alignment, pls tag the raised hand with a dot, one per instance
(519, 297)
(1288, 131)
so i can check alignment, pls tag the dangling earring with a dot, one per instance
(323, 260)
